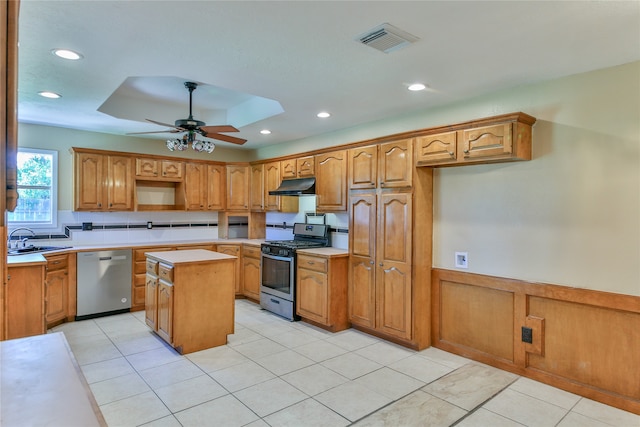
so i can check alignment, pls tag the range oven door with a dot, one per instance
(277, 276)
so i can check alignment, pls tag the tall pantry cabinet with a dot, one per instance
(382, 286)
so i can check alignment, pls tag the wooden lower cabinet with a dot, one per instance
(251, 272)
(321, 290)
(59, 286)
(190, 298)
(138, 284)
(24, 301)
(234, 250)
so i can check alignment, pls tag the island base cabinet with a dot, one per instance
(190, 298)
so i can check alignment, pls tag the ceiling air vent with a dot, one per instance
(386, 38)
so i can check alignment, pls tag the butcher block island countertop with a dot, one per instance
(190, 298)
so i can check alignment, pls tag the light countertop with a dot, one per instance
(190, 256)
(327, 252)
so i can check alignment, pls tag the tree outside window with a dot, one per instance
(37, 188)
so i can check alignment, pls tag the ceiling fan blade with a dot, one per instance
(160, 123)
(220, 128)
(156, 131)
(226, 138)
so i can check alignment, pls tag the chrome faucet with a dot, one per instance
(22, 242)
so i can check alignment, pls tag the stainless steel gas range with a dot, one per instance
(278, 267)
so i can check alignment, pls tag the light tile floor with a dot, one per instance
(279, 373)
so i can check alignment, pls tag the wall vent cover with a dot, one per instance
(386, 38)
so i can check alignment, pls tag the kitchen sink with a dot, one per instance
(35, 249)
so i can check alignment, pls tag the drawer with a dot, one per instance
(165, 272)
(152, 267)
(251, 252)
(57, 262)
(229, 249)
(313, 263)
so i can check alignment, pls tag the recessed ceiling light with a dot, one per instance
(265, 132)
(48, 94)
(416, 87)
(67, 54)
(323, 115)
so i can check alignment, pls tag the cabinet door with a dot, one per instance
(288, 169)
(237, 188)
(305, 166)
(257, 187)
(362, 271)
(488, 141)
(233, 250)
(272, 181)
(195, 185)
(146, 168)
(165, 311)
(120, 183)
(312, 295)
(363, 167)
(393, 275)
(437, 149)
(56, 285)
(331, 181)
(89, 182)
(216, 187)
(151, 301)
(24, 302)
(396, 164)
(171, 169)
(251, 277)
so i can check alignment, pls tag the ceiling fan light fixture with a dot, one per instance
(177, 144)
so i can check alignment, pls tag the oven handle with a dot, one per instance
(278, 258)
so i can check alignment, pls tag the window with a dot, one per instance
(37, 189)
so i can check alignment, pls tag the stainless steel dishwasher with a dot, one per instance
(104, 283)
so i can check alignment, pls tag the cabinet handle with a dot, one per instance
(381, 264)
(451, 153)
(373, 183)
(466, 151)
(371, 262)
(310, 262)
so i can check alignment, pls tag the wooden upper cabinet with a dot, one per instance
(257, 187)
(272, 181)
(438, 148)
(103, 182)
(157, 169)
(216, 187)
(331, 181)
(495, 139)
(305, 166)
(395, 164)
(120, 183)
(237, 187)
(89, 183)
(487, 141)
(195, 184)
(288, 169)
(363, 167)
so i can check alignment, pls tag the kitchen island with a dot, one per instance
(190, 298)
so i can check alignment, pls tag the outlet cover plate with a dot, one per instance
(462, 260)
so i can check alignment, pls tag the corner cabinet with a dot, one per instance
(496, 139)
(331, 181)
(103, 182)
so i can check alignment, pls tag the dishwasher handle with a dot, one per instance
(113, 258)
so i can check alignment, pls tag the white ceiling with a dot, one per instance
(300, 57)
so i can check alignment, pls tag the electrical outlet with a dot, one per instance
(527, 335)
(462, 260)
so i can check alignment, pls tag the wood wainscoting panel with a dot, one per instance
(583, 341)
(592, 345)
(478, 318)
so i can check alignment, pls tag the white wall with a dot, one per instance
(571, 216)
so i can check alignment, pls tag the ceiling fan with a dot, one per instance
(193, 127)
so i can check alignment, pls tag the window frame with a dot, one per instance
(53, 223)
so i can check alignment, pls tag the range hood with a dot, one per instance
(295, 187)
